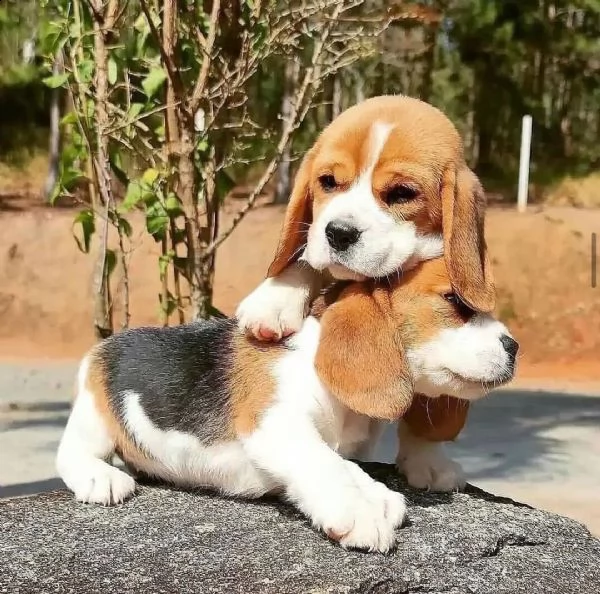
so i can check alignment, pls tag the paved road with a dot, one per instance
(541, 447)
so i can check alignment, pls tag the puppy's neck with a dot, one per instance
(428, 248)
(327, 297)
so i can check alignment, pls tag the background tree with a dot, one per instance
(169, 105)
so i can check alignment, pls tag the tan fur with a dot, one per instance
(463, 204)
(360, 357)
(436, 419)
(252, 384)
(298, 217)
(125, 447)
(363, 336)
(424, 149)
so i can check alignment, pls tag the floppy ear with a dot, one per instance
(360, 358)
(436, 419)
(463, 211)
(298, 217)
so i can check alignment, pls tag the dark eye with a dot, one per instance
(452, 298)
(401, 194)
(328, 182)
(461, 307)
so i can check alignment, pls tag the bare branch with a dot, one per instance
(207, 49)
(297, 114)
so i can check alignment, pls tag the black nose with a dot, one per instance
(341, 236)
(510, 345)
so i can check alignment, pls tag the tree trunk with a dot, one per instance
(103, 23)
(337, 96)
(54, 147)
(359, 86)
(426, 86)
(283, 185)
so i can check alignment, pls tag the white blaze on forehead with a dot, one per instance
(378, 136)
(385, 244)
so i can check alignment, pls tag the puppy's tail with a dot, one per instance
(86, 444)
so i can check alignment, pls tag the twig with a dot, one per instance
(207, 49)
(297, 115)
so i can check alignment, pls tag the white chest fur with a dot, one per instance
(301, 393)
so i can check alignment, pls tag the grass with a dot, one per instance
(26, 175)
(581, 192)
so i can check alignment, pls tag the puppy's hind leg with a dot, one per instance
(85, 447)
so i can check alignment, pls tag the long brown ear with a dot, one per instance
(436, 419)
(463, 211)
(298, 217)
(360, 358)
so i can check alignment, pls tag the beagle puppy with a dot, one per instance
(382, 181)
(203, 405)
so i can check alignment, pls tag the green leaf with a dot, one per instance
(181, 264)
(133, 196)
(70, 119)
(85, 219)
(121, 222)
(112, 71)
(215, 313)
(157, 221)
(150, 176)
(153, 82)
(125, 226)
(110, 261)
(170, 306)
(55, 195)
(140, 190)
(69, 177)
(202, 145)
(56, 80)
(117, 166)
(86, 71)
(163, 262)
(223, 184)
(179, 236)
(134, 110)
(173, 206)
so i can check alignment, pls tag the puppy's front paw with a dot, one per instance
(103, 484)
(430, 468)
(274, 310)
(364, 516)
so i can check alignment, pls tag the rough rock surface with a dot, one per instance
(176, 542)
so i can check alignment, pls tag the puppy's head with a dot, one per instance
(383, 179)
(383, 341)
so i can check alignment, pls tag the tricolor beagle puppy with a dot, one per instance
(205, 405)
(381, 181)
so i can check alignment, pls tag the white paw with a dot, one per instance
(103, 484)
(430, 468)
(364, 515)
(274, 310)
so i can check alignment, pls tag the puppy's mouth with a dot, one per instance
(340, 272)
(487, 384)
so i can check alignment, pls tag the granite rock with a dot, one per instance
(177, 542)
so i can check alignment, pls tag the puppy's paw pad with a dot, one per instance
(273, 310)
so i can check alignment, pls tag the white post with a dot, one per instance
(524, 164)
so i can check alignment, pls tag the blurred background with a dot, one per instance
(147, 151)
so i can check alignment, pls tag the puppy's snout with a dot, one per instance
(511, 346)
(341, 236)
